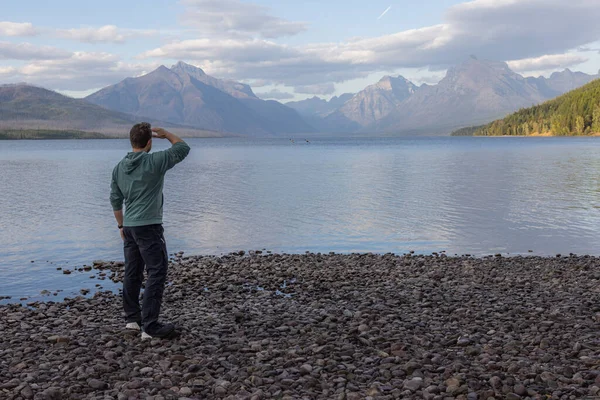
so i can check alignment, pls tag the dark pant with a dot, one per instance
(144, 245)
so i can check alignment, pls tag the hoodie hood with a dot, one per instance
(132, 161)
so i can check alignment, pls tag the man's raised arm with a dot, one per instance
(168, 158)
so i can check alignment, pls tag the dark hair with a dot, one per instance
(140, 135)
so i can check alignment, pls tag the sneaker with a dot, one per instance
(160, 331)
(134, 326)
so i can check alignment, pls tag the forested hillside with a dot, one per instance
(574, 113)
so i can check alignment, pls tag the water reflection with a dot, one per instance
(462, 195)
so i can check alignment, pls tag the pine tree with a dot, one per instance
(579, 125)
(596, 119)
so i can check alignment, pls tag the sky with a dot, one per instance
(290, 50)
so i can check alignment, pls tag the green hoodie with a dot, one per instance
(138, 180)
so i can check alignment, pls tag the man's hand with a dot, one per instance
(159, 133)
(119, 218)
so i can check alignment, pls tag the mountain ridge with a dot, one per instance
(184, 94)
(184, 97)
(24, 106)
(474, 92)
(376, 101)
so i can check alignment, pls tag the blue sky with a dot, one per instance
(289, 49)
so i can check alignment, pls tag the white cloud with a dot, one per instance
(275, 94)
(230, 50)
(79, 60)
(511, 29)
(79, 72)
(235, 17)
(235, 40)
(28, 51)
(547, 62)
(105, 34)
(586, 49)
(491, 29)
(17, 29)
(323, 89)
(427, 79)
(78, 94)
(259, 83)
(7, 71)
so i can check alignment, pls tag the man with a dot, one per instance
(138, 180)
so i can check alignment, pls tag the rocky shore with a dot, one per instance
(323, 326)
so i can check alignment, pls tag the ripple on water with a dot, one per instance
(463, 195)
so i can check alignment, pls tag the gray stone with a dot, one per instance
(413, 384)
(185, 391)
(220, 391)
(97, 384)
(166, 383)
(520, 390)
(27, 392)
(305, 369)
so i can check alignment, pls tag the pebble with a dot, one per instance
(185, 391)
(413, 384)
(166, 383)
(305, 369)
(97, 384)
(352, 326)
(27, 392)
(220, 390)
(520, 390)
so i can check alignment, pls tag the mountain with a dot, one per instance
(22, 102)
(561, 82)
(319, 107)
(315, 110)
(235, 89)
(349, 113)
(29, 107)
(375, 102)
(475, 92)
(574, 113)
(185, 95)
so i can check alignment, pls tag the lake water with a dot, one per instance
(462, 195)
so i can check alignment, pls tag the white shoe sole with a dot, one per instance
(145, 336)
(134, 326)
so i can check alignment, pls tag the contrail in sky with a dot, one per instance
(385, 12)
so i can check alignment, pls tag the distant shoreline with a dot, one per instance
(48, 134)
(534, 136)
